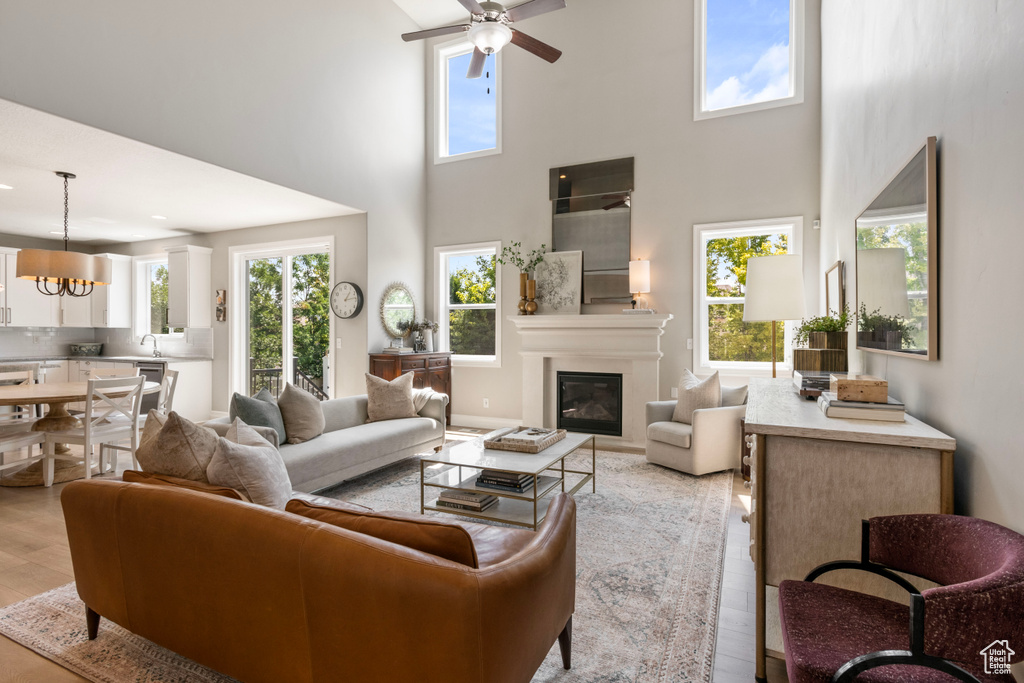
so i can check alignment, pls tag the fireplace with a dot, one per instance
(590, 402)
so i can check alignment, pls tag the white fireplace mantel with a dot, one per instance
(629, 345)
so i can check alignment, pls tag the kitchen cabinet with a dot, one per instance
(52, 371)
(189, 298)
(430, 370)
(76, 311)
(193, 396)
(21, 304)
(112, 304)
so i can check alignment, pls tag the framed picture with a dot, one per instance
(560, 283)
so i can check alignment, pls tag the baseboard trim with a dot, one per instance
(481, 422)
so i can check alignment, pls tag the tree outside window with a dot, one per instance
(469, 291)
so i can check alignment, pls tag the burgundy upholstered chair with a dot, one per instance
(833, 634)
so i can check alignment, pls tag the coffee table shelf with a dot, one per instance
(508, 510)
(450, 480)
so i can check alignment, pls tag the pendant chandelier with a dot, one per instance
(59, 273)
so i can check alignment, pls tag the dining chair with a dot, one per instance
(167, 386)
(16, 421)
(102, 373)
(96, 429)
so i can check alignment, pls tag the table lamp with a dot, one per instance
(639, 279)
(774, 291)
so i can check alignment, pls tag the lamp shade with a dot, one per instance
(54, 266)
(775, 288)
(882, 281)
(490, 36)
(639, 277)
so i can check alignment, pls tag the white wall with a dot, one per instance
(893, 74)
(624, 87)
(321, 96)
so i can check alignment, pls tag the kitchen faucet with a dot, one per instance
(156, 351)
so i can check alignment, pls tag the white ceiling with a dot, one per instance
(434, 13)
(122, 183)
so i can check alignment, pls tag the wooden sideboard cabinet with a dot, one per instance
(814, 478)
(430, 370)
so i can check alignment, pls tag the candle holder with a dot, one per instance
(531, 294)
(522, 293)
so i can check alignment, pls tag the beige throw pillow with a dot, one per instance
(181, 448)
(695, 394)
(303, 416)
(389, 400)
(245, 461)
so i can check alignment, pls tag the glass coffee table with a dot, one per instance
(526, 509)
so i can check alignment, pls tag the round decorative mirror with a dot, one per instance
(397, 310)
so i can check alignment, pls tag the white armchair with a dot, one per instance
(714, 441)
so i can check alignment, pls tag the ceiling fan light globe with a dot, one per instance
(490, 36)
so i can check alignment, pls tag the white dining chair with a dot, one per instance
(96, 429)
(167, 386)
(107, 373)
(16, 423)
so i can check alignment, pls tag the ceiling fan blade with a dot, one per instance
(542, 50)
(613, 205)
(431, 32)
(472, 5)
(533, 8)
(476, 64)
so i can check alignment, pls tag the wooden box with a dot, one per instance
(819, 360)
(865, 388)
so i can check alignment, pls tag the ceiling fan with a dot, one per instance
(489, 30)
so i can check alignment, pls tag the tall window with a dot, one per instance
(468, 112)
(721, 250)
(469, 288)
(151, 297)
(749, 55)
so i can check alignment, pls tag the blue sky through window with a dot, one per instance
(747, 52)
(472, 110)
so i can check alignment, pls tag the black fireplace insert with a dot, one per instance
(590, 402)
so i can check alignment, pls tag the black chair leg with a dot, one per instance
(849, 671)
(92, 623)
(565, 644)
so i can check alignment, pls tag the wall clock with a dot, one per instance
(346, 300)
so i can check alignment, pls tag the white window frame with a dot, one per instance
(794, 226)
(442, 306)
(238, 305)
(796, 64)
(141, 295)
(442, 53)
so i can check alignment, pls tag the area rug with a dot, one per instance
(650, 547)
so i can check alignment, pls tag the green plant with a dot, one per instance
(878, 324)
(421, 325)
(824, 323)
(512, 256)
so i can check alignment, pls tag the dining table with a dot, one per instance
(56, 396)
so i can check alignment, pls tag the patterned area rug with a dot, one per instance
(649, 567)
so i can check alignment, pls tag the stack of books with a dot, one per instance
(892, 411)
(398, 349)
(465, 500)
(505, 481)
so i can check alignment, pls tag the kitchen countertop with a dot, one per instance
(134, 359)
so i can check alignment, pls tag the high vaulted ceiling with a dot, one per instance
(123, 183)
(431, 13)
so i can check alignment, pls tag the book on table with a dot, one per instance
(513, 478)
(886, 412)
(462, 504)
(503, 486)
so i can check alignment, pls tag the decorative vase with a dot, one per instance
(522, 293)
(428, 341)
(531, 294)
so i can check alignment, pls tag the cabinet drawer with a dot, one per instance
(413, 364)
(438, 362)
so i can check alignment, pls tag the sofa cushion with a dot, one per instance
(300, 410)
(180, 448)
(134, 476)
(389, 400)
(734, 396)
(672, 433)
(261, 409)
(338, 450)
(449, 541)
(221, 425)
(695, 394)
(246, 461)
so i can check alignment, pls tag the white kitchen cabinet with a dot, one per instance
(189, 298)
(76, 311)
(21, 304)
(112, 304)
(53, 371)
(193, 396)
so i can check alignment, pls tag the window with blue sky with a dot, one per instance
(472, 107)
(747, 57)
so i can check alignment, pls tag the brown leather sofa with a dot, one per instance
(265, 595)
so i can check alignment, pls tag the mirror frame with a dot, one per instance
(841, 267)
(931, 173)
(388, 291)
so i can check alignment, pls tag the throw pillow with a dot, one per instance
(136, 477)
(303, 417)
(259, 410)
(442, 539)
(245, 461)
(695, 394)
(734, 396)
(180, 448)
(389, 400)
(155, 422)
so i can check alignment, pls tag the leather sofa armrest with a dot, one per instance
(660, 411)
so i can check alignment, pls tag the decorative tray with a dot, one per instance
(525, 439)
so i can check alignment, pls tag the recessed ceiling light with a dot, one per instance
(159, 218)
(562, 177)
(138, 235)
(6, 187)
(56, 232)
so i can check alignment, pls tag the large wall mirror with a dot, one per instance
(590, 213)
(397, 310)
(898, 265)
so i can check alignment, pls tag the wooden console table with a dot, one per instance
(814, 478)
(430, 370)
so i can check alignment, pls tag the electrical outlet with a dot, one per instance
(487, 403)
(339, 342)
(689, 344)
(675, 392)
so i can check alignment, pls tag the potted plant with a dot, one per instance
(879, 331)
(512, 256)
(426, 329)
(824, 332)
